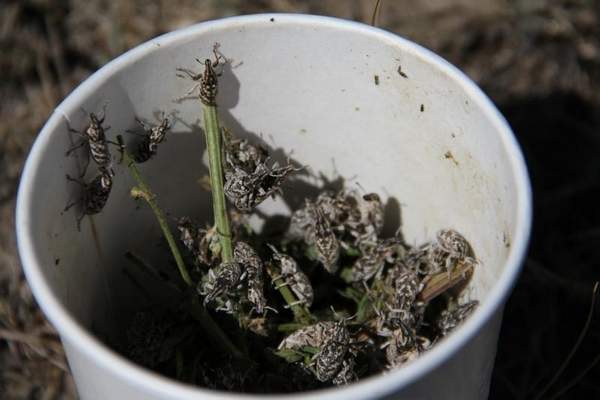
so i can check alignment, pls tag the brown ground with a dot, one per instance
(539, 60)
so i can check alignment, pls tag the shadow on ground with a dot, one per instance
(560, 137)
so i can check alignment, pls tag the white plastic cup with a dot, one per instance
(423, 133)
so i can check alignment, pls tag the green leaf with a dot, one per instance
(351, 293)
(346, 274)
(310, 350)
(289, 355)
(351, 251)
(311, 253)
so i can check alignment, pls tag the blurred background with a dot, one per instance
(539, 61)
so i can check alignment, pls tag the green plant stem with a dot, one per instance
(301, 314)
(144, 192)
(215, 167)
(197, 311)
(209, 325)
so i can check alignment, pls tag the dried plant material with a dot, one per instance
(203, 244)
(188, 234)
(450, 319)
(259, 326)
(294, 277)
(435, 285)
(245, 255)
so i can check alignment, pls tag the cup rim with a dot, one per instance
(375, 386)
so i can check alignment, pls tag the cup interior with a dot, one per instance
(348, 102)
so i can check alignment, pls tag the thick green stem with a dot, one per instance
(144, 192)
(215, 166)
(301, 314)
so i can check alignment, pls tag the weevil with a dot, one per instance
(94, 137)
(247, 190)
(326, 244)
(208, 79)
(245, 255)
(293, 277)
(221, 280)
(450, 319)
(153, 136)
(94, 196)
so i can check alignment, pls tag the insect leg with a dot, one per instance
(79, 219)
(295, 303)
(121, 145)
(143, 124)
(68, 207)
(87, 163)
(101, 120)
(71, 179)
(282, 285)
(75, 147)
(190, 74)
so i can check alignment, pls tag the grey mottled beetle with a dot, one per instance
(366, 220)
(302, 223)
(403, 347)
(334, 360)
(208, 79)
(346, 373)
(245, 255)
(153, 136)
(202, 243)
(329, 360)
(401, 304)
(95, 194)
(312, 335)
(94, 136)
(326, 244)
(449, 248)
(241, 154)
(400, 347)
(374, 256)
(247, 190)
(188, 234)
(294, 277)
(226, 279)
(450, 319)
